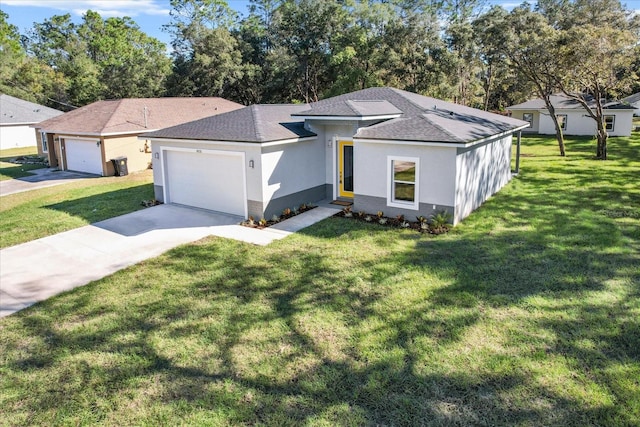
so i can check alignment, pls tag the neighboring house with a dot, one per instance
(384, 149)
(633, 101)
(86, 139)
(16, 115)
(573, 117)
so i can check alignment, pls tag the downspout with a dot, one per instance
(62, 155)
(517, 171)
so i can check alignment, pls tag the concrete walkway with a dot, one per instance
(42, 178)
(37, 270)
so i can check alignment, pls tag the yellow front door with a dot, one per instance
(345, 169)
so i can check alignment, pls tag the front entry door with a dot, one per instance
(345, 172)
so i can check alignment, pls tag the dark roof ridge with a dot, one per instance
(401, 92)
(255, 121)
(425, 117)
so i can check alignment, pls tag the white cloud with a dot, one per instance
(103, 7)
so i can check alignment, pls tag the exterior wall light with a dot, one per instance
(251, 164)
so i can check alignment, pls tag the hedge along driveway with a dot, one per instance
(39, 213)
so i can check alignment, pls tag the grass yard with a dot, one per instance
(527, 313)
(38, 213)
(11, 170)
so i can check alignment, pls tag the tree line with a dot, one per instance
(306, 50)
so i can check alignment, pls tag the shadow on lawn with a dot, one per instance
(104, 205)
(277, 356)
(325, 336)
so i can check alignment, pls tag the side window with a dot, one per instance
(528, 117)
(403, 182)
(609, 123)
(43, 139)
(562, 120)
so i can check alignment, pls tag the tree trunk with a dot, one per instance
(601, 151)
(559, 135)
(487, 87)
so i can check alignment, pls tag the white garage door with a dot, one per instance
(83, 156)
(213, 181)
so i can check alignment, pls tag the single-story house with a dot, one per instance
(382, 149)
(573, 117)
(86, 139)
(633, 101)
(16, 117)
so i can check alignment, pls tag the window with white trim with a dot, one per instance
(403, 179)
(43, 139)
(562, 121)
(528, 117)
(609, 123)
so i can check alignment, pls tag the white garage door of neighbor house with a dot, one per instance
(213, 181)
(83, 156)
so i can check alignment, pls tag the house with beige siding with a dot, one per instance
(88, 138)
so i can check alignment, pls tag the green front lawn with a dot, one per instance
(12, 170)
(527, 313)
(38, 213)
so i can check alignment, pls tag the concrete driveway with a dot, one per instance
(45, 177)
(37, 270)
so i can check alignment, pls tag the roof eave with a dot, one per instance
(59, 132)
(459, 144)
(228, 142)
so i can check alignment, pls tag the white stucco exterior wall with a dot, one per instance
(580, 123)
(289, 168)
(14, 136)
(437, 170)
(481, 171)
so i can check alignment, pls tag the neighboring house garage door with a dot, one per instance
(213, 180)
(83, 156)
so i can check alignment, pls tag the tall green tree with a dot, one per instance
(493, 61)
(207, 56)
(23, 76)
(598, 63)
(100, 58)
(306, 29)
(532, 47)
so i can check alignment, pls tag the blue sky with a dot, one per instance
(150, 15)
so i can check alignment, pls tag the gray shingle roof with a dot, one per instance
(564, 103)
(256, 123)
(632, 99)
(18, 111)
(352, 108)
(425, 119)
(421, 119)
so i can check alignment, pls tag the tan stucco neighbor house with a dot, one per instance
(573, 118)
(86, 139)
(16, 117)
(383, 149)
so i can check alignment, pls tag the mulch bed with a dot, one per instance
(286, 214)
(421, 224)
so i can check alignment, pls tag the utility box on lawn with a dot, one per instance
(120, 166)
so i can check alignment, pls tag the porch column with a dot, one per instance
(517, 171)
